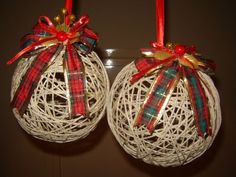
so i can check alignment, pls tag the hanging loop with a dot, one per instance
(68, 7)
(160, 22)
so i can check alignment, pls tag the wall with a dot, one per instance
(127, 25)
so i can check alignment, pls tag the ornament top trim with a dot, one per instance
(186, 56)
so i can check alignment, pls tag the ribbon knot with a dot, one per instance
(62, 36)
(71, 37)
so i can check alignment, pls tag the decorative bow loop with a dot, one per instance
(45, 33)
(53, 39)
(173, 63)
(158, 57)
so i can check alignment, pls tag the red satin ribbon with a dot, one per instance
(68, 6)
(160, 19)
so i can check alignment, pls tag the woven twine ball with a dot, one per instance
(47, 116)
(175, 140)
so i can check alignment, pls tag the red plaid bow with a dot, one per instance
(52, 40)
(173, 63)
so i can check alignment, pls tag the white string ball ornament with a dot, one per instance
(47, 116)
(175, 140)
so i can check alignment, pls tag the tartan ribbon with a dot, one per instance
(173, 63)
(47, 41)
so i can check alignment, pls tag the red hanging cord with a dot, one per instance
(68, 7)
(160, 19)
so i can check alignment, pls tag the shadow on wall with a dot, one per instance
(72, 148)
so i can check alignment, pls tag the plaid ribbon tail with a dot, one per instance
(74, 77)
(31, 78)
(158, 97)
(198, 100)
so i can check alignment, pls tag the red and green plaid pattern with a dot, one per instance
(31, 78)
(167, 79)
(157, 97)
(145, 63)
(199, 101)
(75, 79)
